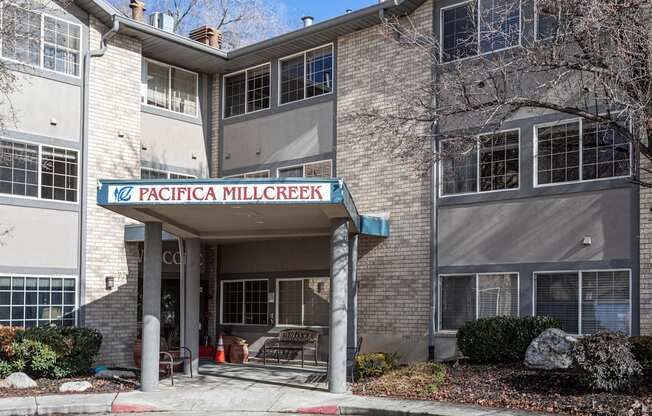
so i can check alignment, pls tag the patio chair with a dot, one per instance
(350, 364)
(173, 357)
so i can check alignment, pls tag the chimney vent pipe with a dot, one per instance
(137, 10)
(307, 21)
(207, 35)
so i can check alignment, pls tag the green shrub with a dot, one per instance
(606, 362)
(7, 337)
(374, 364)
(37, 359)
(501, 338)
(6, 368)
(642, 349)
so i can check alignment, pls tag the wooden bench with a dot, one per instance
(288, 340)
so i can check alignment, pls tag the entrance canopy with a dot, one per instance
(226, 210)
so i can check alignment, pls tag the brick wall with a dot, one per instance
(646, 250)
(216, 111)
(394, 273)
(114, 106)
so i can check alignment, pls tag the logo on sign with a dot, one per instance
(123, 194)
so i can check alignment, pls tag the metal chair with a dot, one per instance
(350, 364)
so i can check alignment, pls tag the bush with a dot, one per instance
(7, 337)
(37, 360)
(642, 349)
(374, 364)
(606, 362)
(501, 338)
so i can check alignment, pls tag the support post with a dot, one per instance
(151, 307)
(338, 306)
(352, 318)
(191, 312)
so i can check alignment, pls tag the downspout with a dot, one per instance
(83, 204)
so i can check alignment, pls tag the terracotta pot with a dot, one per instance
(239, 353)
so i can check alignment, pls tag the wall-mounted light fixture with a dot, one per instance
(53, 121)
(194, 156)
(121, 133)
(587, 240)
(110, 282)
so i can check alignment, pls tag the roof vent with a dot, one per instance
(307, 21)
(347, 11)
(137, 10)
(162, 21)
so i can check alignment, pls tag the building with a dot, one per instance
(517, 228)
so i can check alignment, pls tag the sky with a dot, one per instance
(322, 9)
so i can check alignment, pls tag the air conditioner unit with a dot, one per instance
(162, 21)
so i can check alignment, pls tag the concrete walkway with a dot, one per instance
(238, 389)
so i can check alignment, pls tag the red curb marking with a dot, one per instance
(132, 408)
(319, 410)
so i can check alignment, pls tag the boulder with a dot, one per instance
(18, 381)
(551, 350)
(75, 386)
(115, 374)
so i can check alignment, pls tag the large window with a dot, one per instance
(247, 91)
(466, 297)
(466, 32)
(585, 301)
(321, 169)
(256, 174)
(40, 40)
(306, 75)
(20, 170)
(32, 301)
(148, 173)
(489, 164)
(579, 151)
(303, 302)
(244, 302)
(169, 88)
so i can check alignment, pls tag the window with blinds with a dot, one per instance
(303, 302)
(457, 301)
(497, 295)
(587, 301)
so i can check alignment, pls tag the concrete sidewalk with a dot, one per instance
(231, 391)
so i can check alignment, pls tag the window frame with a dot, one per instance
(245, 175)
(167, 174)
(42, 39)
(246, 94)
(477, 22)
(305, 74)
(303, 302)
(244, 303)
(580, 272)
(477, 298)
(143, 92)
(537, 38)
(303, 167)
(39, 172)
(48, 276)
(535, 155)
(477, 161)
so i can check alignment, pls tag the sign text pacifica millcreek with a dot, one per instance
(222, 193)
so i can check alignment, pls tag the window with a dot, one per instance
(472, 296)
(247, 91)
(20, 170)
(169, 88)
(309, 74)
(563, 148)
(40, 40)
(604, 303)
(34, 301)
(257, 174)
(303, 302)
(244, 302)
(492, 164)
(466, 32)
(546, 22)
(321, 169)
(147, 173)
(58, 174)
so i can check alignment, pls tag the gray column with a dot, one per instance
(352, 319)
(338, 318)
(151, 307)
(191, 315)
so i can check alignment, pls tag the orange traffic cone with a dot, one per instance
(219, 354)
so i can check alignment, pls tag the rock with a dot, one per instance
(113, 374)
(551, 350)
(18, 381)
(75, 386)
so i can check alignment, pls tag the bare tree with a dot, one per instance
(241, 21)
(586, 58)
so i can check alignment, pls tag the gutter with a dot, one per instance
(83, 203)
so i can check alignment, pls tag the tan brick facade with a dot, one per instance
(113, 152)
(393, 273)
(216, 111)
(646, 251)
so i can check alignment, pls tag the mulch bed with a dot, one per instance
(512, 387)
(46, 387)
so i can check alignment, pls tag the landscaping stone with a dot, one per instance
(113, 374)
(75, 386)
(550, 351)
(18, 381)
